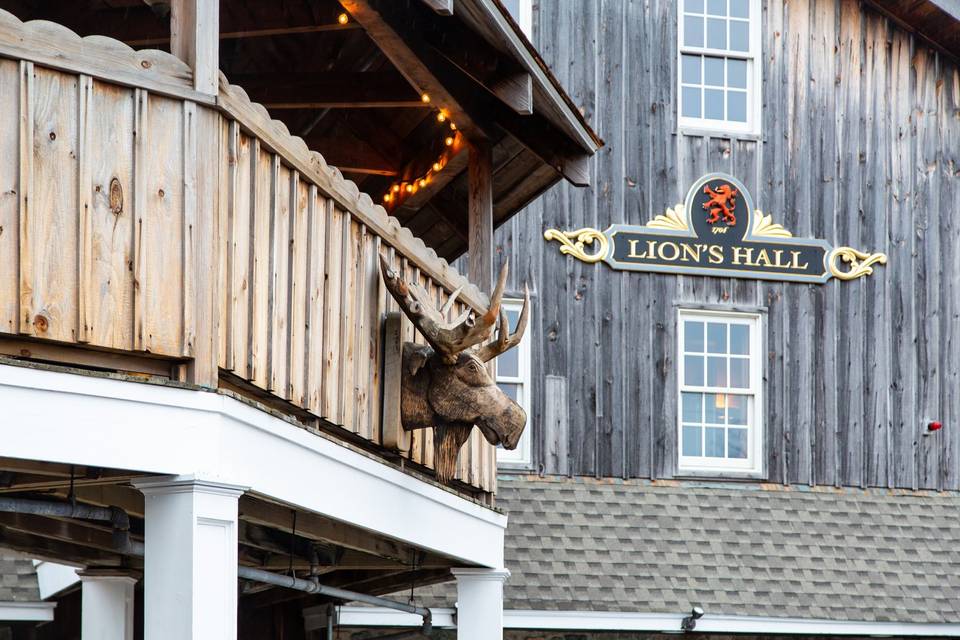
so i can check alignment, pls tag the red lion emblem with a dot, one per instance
(723, 200)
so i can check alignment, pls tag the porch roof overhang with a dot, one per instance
(352, 90)
(936, 21)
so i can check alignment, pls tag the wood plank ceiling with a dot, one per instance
(317, 70)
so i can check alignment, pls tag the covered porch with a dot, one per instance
(193, 200)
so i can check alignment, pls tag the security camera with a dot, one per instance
(689, 623)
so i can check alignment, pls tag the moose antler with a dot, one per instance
(447, 338)
(506, 340)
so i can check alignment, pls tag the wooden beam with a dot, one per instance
(255, 33)
(442, 7)
(194, 38)
(323, 529)
(73, 532)
(480, 216)
(44, 548)
(330, 90)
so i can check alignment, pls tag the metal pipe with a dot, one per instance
(114, 515)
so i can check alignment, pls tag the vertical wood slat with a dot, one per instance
(25, 186)
(242, 192)
(84, 231)
(349, 258)
(299, 289)
(189, 208)
(319, 212)
(279, 282)
(261, 194)
(14, 101)
(361, 372)
(140, 124)
(48, 221)
(330, 405)
(226, 187)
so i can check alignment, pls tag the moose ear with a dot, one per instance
(414, 359)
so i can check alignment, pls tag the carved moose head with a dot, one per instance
(445, 386)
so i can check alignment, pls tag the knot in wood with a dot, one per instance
(116, 197)
(41, 323)
(145, 64)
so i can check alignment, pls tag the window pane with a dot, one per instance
(739, 373)
(691, 69)
(740, 8)
(717, 337)
(737, 443)
(691, 441)
(512, 390)
(692, 31)
(716, 372)
(713, 104)
(513, 6)
(513, 317)
(714, 442)
(740, 338)
(737, 106)
(508, 364)
(717, 7)
(737, 410)
(715, 406)
(716, 33)
(691, 103)
(693, 6)
(693, 371)
(736, 73)
(713, 72)
(739, 35)
(693, 336)
(692, 407)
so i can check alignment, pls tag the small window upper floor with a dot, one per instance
(718, 67)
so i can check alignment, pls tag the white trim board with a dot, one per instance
(354, 616)
(54, 578)
(27, 611)
(92, 421)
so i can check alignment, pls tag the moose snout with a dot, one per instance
(506, 426)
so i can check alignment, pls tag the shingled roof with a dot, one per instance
(18, 578)
(742, 550)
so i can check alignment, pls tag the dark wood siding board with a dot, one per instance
(926, 196)
(948, 105)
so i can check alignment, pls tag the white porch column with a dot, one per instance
(190, 562)
(107, 605)
(480, 603)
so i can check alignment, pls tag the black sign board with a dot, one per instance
(716, 232)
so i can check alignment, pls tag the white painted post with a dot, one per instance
(107, 605)
(480, 603)
(190, 562)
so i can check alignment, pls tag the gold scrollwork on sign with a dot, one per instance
(858, 261)
(765, 227)
(583, 237)
(673, 220)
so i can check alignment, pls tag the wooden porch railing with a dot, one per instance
(139, 216)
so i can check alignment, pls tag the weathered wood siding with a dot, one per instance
(139, 217)
(861, 146)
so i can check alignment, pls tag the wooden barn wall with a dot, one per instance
(861, 146)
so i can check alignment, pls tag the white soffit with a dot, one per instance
(95, 421)
(27, 611)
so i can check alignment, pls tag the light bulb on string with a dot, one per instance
(440, 116)
(387, 197)
(395, 188)
(423, 182)
(448, 141)
(424, 98)
(437, 166)
(343, 18)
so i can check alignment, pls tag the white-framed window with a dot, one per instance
(522, 12)
(720, 404)
(718, 66)
(513, 376)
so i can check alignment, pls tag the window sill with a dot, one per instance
(718, 133)
(514, 467)
(698, 474)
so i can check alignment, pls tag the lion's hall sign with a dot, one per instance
(717, 232)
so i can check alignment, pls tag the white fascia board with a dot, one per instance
(660, 622)
(27, 611)
(94, 421)
(53, 578)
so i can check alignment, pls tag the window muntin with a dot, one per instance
(718, 74)
(719, 392)
(513, 377)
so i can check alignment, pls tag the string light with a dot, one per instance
(343, 18)
(397, 190)
(424, 98)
